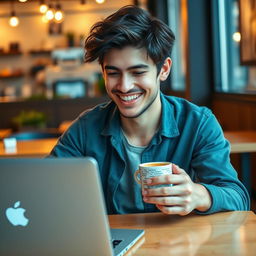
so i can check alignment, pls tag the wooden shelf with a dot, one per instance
(11, 76)
(32, 52)
(38, 52)
(10, 53)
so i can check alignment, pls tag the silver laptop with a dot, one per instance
(55, 207)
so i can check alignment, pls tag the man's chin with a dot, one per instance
(132, 114)
(126, 115)
(127, 112)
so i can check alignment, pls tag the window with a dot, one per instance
(230, 75)
(176, 23)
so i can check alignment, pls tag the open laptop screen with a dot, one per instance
(55, 206)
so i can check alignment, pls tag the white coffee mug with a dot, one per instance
(152, 169)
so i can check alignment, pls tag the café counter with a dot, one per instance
(29, 148)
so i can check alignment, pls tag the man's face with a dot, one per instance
(131, 81)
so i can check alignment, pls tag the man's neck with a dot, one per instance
(139, 131)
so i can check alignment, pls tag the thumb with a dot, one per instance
(176, 169)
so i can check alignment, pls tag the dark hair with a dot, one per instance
(130, 26)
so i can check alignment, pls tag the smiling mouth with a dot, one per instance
(129, 98)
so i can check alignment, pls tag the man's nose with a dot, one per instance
(125, 83)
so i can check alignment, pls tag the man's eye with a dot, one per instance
(112, 73)
(137, 73)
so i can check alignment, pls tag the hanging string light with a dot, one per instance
(44, 19)
(13, 21)
(236, 37)
(58, 16)
(50, 13)
(43, 7)
(100, 1)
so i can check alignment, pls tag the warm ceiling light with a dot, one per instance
(50, 13)
(22, 1)
(13, 21)
(58, 16)
(44, 19)
(43, 7)
(100, 1)
(237, 37)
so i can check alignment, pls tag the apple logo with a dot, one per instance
(16, 215)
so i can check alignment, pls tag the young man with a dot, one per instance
(140, 124)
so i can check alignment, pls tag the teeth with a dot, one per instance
(128, 98)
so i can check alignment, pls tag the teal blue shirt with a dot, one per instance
(189, 136)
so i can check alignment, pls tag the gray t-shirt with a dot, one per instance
(128, 187)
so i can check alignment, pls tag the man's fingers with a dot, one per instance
(176, 177)
(168, 201)
(177, 190)
(176, 169)
(166, 179)
(173, 210)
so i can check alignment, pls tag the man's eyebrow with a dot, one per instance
(138, 66)
(111, 67)
(129, 68)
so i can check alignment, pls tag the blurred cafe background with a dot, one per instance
(45, 84)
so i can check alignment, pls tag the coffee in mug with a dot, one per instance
(152, 169)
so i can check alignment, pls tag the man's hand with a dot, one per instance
(181, 198)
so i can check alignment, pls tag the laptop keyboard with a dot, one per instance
(116, 242)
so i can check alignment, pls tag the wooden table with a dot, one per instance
(243, 142)
(229, 233)
(30, 148)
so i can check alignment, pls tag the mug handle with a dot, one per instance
(136, 176)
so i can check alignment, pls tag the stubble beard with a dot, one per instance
(144, 109)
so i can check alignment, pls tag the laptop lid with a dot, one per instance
(54, 207)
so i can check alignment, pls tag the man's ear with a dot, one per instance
(165, 70)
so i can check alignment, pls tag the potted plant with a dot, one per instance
(29, 120)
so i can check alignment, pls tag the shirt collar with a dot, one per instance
(113, 124)
(168, 127)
